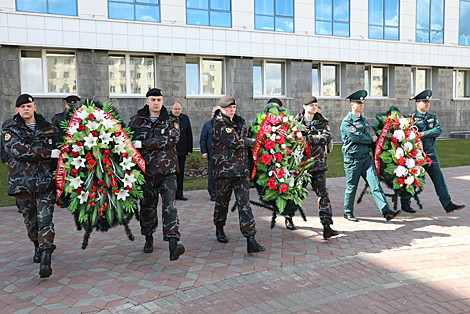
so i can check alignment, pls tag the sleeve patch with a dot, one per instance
(177, 126)
(228, 130)
(7, 137)
(352, 129)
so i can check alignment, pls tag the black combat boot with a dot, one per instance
(253, 246)
(220, 234)
(175, 249)
(45, 269)
(148, 247)
(290, 224)
(37, 253)
(328, 232)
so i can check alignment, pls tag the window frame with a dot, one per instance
(460, 22)
(430, 19)
(332, 21)
(274, 16)
(128, 74)
(45, 93)
(414, 73)
(263, 78)
(76, 12)
(159, 5)
(383, 25)
(209, 15)
(320, 79)
(200, 60)
(455, 82)
(369, 88)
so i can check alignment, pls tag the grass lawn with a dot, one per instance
(452, 153)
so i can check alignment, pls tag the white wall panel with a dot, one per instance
(93, 8)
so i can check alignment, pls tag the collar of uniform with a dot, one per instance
(40, 121)
(145, 112)
(354, 117)
(417, 113)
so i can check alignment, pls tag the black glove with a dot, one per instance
(248, 142)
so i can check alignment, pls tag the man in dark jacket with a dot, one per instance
(4, 155)
(205, 143)
(30, 142)
(429, 129)
(72, 102)
(156, 133)
(231, 171)
(318, 133)
(184, 146)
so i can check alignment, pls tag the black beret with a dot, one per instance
(227, 101)
(310, 100)
(72, 99)
(154, 92)
(24, 99)
(276, 101)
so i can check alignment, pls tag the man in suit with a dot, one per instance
(184, 146)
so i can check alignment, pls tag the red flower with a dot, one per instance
(118, 134)
(75, 154)
(125, 155)
(81, 127)
(106, 153)
(105, 206)
(101, 214)
(65, 149)
(91, 117)
(105, 185)
(92, 196)
(401, 161)
(401, 181)
(79, 144)
(287, 151)
(282, 188)
(88, 155)
(79, 191)
(279, 172)
(281, 140)
(128, 188)
(74, 172)
(274, 120)
(266, 159)
(279, 157)
(267, 129)
(92, 162)
(272, 184)
(99, 182)
(95, 134)
(269, 144)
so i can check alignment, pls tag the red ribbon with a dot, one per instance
(61, 172)
(381, 142)
(259, 145)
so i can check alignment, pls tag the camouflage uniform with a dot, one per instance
(318, 135)
(159, 141)
(231, 171)
(31, 177)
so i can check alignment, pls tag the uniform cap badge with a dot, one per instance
(50, 141)
(30, 99)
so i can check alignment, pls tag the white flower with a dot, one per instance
(90, 140)
(121, 147)
(291, 183)
(99, 114)
(128, 180)
(107, 123)
(283, 146)
(106, 138)
(281, 180)
(294, 128)
(83, 197)
(270, 173)
(419, 155)
(78, 162)
(409, 163)
(404, 123)
(407, 146)
(122, 195)
(272, 151)
(412, 136)
(274, 128)
(278, 165)
(289, 136)
(410, 180)
(399, 135)
(76, 182)
(93, 125)
(83, 114)
(127, 163)
(400, 171)
(399, 152)
(74, 128)
(77, 148)
(119, 139)
(299, 135)
(273, 137)
(285, 119)
(278, 137)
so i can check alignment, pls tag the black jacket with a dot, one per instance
(4, 155)
(185, 145)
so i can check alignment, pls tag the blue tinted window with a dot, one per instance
(209, 12)
(384, 19)
(274, 15)
(430, 21)
(464, 28)
(134, 10)
(332, 17)
(62, 7)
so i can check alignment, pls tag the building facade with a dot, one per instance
(197, 51)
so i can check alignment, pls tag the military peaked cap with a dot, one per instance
(425, 95)
(24, 99)
(154, 92)
(358, 96)
(72, 99)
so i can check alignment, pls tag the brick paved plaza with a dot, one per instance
(418, 263)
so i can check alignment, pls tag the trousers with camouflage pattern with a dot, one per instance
(166, 187)
(37, 209)
(241, 187)
(318, 182)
